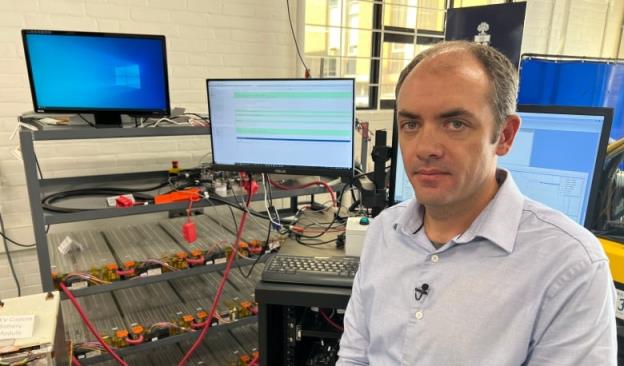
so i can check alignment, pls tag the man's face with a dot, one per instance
(446, 127)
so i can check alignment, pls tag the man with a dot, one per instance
(471, 272)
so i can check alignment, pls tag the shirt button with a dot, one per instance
(419, 315)
(434, 258)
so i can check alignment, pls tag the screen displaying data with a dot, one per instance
(281, 123)
(553, 161)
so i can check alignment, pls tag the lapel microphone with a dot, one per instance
(420, 292)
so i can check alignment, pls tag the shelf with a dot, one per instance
(79, 132)
(52, 218)
(141, 281)
(169, 340)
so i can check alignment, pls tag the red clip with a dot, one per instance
(189, 231)
(123, 201)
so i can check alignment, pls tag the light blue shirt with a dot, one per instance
(524, 285)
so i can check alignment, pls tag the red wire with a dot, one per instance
(226, 272)
(191, 200)
(89, 325)
(75, 361)
(254, 362)
(331, 322)
(316, 183)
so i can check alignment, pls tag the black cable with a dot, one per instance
(295, 37)
(298, 239)
(49, 199)
(47, 202)
(336, 216)
(5, 237)
(38, 166)
(9, 259)
(270, 224)
(250, 211)
(369, 173)
(84, 119)
(264, 248)
(233, 216)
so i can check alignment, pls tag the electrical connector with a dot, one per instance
(189, 231)
(124, 201)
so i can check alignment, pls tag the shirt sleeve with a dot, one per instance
(576, 323)
(355, 339)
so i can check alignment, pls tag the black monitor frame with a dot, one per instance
(104, 117)
(606, 113)
(285, 169)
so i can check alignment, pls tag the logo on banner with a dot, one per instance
(483, 37)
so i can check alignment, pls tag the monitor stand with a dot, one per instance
(107, 119)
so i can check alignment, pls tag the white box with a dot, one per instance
(47, 337)
(356, 231)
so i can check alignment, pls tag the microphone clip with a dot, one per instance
(420, 292)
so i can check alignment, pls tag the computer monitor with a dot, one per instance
(556, 159)
(286, 126)
(105, 74)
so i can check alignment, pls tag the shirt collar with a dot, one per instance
(498, 222)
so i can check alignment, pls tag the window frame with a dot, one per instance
(382, 34)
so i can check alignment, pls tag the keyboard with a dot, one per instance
(323, 271)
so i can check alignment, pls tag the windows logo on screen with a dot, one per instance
(128, 76)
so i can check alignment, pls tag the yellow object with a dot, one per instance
(615, 252)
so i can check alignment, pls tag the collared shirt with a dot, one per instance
(523, 285)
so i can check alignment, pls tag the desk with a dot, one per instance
(280, 304)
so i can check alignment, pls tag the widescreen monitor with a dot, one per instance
(556, 159)
(286, 126)
(104, 74)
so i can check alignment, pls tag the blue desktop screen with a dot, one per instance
(553, 161)
(75, 72)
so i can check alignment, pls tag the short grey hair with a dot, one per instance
(502, 74)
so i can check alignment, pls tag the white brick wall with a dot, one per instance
(205, 38)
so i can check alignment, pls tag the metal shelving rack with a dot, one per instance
(38, 187)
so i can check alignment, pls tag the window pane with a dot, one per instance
(323, 12)
(401, 13)
(358, 68)
(390, 71)
(400, 51)
(431, 15)
(359, 14)
(362, 94)
(395, 57)
(316, 41)
(357, 43)
(324, 67)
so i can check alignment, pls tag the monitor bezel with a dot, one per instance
(94, 110)
(606, 113)
(285, 169)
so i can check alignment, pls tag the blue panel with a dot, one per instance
(575, 83)
(95, 72)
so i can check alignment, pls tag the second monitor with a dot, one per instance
(556, 159)
(292, 126)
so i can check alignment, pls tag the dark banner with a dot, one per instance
(499, 26)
